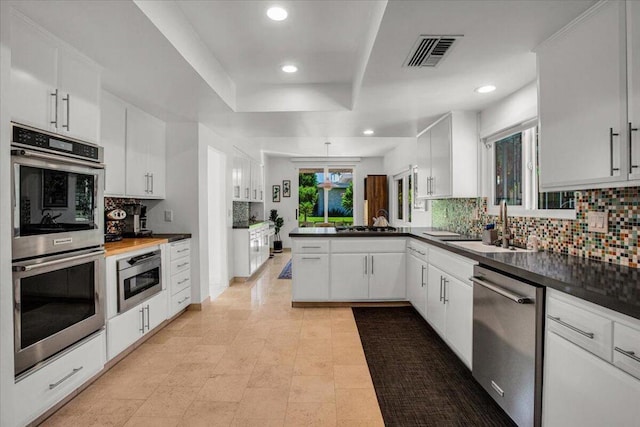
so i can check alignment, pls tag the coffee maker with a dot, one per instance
(135, 224)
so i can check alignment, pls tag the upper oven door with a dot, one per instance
(57, 204)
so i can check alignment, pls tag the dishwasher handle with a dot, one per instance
(499, 290)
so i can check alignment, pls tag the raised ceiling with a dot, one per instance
(218, 62)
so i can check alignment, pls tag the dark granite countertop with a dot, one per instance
(171, 237)
(609, 285)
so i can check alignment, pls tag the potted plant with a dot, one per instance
(278, 221)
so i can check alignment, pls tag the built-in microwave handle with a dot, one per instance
(45, 156)
(29, 267)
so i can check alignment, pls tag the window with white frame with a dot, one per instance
(513, 176)
(402, 197)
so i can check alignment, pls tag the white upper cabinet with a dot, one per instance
(582, 78)
(113, 114)
(448, 157)
(145, 162)
(53, 87)
(633, 73)
(247, 178)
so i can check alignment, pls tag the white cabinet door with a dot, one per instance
(138, 183)
(582, 99)
(125, 329)
(79, 85)
(156, 158)
(387, 276)
(633, 88)
(459, 316)
(441, 158)
(236, 178)
(582, 390)
(435, 306)
(350, 276)
(156, 310)
(311, 277)
(246, 178)
(33, 76)
(113, 138)
(424, 164)
(417, 272)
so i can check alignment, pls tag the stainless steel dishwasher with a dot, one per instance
(507, 343)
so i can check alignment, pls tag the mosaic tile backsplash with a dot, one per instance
(618, 246)
(240, 213)
(110, 203)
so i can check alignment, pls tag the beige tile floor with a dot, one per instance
(247, 359)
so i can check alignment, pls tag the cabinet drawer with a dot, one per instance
(180, 281)
(419, 251)
(310, 246)
(626, 346)
(180, 301)
(47, 386)
(368, 245)
(179, 265)
(582, 327)
(180, 249)
(457, 266)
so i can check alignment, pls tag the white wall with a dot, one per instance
(6, 293)
(278, 169)
(519, 107)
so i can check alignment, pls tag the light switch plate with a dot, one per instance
(168, 216)
(597, 222)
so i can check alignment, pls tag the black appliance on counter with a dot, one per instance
(135, 223)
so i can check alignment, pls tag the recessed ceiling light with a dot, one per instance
(277, 13)
(289, 68)
(368, 132)
(486, 89)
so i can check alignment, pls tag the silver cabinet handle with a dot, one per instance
(421, 253)
(261, 195)
(182, 265)
(310, 257)
(589, 335)
(372, 265)
(433, 185)
(499, 290)
(366, 260)
(255, 194)
(631, 165)
(631, 354)
(611, 135)
(183, 281)
(183, 250)
(246, 192)
(183, 300)
(444, 290)
(236, 191)
(146, 183)
(441, 278)
(55, 114)
(422, 279)
(148, 320)
(68, 99)
(142, 314)
(151, 175)
(310, 247)
(66, 377)
(497, 389)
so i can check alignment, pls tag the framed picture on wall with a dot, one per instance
(275, 193)
(286, 188)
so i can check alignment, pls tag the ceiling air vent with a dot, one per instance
(428, 51)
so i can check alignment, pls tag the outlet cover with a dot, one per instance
(597, 222)
(168, 216)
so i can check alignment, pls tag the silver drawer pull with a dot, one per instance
(66, 377)
(183, 281)
(183, 300)
(311, 247)
(183, 264)
(630, 354)
(421, 253)
(183, 250)
(497, 389)
(310, 257)
(499, 290)
(589, 335)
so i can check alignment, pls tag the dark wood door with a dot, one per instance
(377, 197)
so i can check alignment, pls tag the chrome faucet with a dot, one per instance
(505, 224)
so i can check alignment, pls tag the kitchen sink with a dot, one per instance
(480, 247)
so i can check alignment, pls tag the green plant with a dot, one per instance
(278, 221)
(347, 198)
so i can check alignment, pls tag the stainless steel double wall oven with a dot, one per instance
(57, 243)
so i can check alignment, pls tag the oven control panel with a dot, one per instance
(41, 140)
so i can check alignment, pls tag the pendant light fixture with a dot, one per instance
(327, 184)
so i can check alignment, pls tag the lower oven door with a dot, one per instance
(57, 302)
(138, 279)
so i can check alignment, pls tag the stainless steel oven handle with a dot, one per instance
(66, 377)
(57, 159)
(504, 292)
(35, 266)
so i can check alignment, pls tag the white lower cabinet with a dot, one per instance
(251, 249)
(311, 277)
(44, 388)
(583, 390)
(435, 305)
(179, 276)
(128, 327)
(349, 276)
(417, 272)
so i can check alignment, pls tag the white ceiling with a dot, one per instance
(218, 62)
